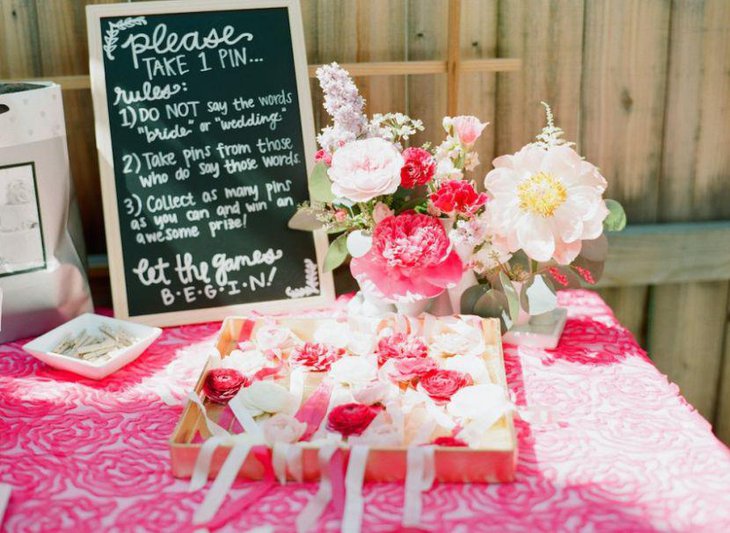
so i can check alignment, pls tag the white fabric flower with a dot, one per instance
(267, 397)
(283, 428)
(545, 202)
(460, 339)
(485, 404)
(469, 364)
(354, 371)
(364, 169)
(374, 392)
(247, 362)
(273, 337)
(334, 333)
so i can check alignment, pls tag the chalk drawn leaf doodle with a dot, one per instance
(312, 282)
(111, 36)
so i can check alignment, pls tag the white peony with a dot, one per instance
(545, 202)
(364, 169)
(483, 404)
(469, 364)
(247, 362)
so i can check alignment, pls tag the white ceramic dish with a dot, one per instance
(42, 347)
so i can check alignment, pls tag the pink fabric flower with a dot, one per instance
(409, 368)
(315, 356)
(399, 346)
(364, 169)
(458, 197)
(381, 211)
(441, 384)
(467, 128)
(222, 384)
(411, 258)
(351, 418)
(449, 441)
(322, 156)
(418, 169)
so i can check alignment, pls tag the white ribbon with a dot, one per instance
(214, 428)
(352, 516)
(222, 483)
(296, 385)
(420, 474)
(278, 460)
(202, 463)
(309, 516)
(244, 417)
(294, 462)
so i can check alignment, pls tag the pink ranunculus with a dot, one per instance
(411, 259)
(222, 384)
(399, 346)
(458, 197)
(418, 169)
(442, 384)
(364, 169)
(351, 418)
(467, 128)
(322, 156)
(315, 356)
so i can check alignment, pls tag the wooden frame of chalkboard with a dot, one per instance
(142, 290)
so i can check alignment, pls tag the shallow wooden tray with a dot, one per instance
(494, 463)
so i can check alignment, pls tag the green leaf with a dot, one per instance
(513, 299)
(569, 279)
(470, 296)
(538, 295)
(616, 219)
(320, 187)
(304, 220)
(336, 254)
(493, 304)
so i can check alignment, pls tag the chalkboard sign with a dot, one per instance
(205, 133)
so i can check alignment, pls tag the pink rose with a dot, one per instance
(441, 385)
(467, 128)
(322, 156)
(222, 384)
(399, 346)
(418, 169)
(410, 368)
(411, 258)
(340, 215)
(315, 356)
(351, 418)
(364, 169)
(458, 196)
(449, 441)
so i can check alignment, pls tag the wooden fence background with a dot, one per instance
(642, 86)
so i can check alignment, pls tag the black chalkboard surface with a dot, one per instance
(205, 134)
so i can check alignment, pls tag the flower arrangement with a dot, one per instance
(416, 226)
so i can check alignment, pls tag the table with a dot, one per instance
(610, 446)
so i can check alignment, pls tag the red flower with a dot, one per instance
(222, 384)
(322, 156)
(449, 441)
(458, 196)
(316, 356)
(351, 418)
(398, 346)
(410, 368)
(442, 384)
(418, 168)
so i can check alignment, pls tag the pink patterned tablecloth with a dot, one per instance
(619, 449)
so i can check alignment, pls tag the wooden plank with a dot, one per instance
(19, 49)
(477, 90)
(453, 55)
(722, 409)
(694, 186)
(427, 41)
(548, 37)
(622, 116)
(654, 254)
